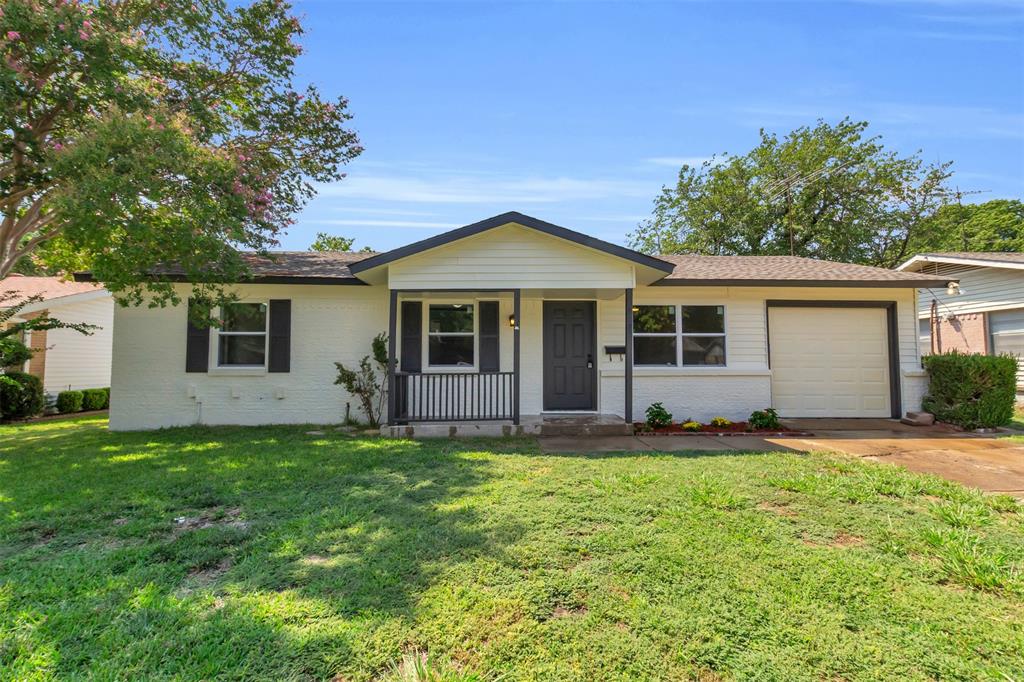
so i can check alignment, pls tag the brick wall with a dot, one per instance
(37, 342)
(965, 333)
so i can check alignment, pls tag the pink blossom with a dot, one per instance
(87, 24)
(13, 35)
(83, 35)
(57, 146)
(62, 26)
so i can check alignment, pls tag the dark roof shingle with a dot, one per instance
(783, 270)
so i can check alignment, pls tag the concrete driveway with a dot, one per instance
(991, 463)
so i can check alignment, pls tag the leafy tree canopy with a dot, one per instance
(332, 242)
(136, 133)
(829, 191)
(996, 225)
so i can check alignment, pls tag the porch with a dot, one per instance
(509, 362)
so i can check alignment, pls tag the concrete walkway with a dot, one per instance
(991, 463)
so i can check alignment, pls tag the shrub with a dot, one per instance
(971, 391)
(766, 419)
(364, 383)
(70, 401)
(21, 395)
(720, 421)
(691, 426)
(94, 399)
(658, 416)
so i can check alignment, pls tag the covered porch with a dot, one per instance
(479, 360)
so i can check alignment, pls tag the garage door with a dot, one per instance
(829, 362)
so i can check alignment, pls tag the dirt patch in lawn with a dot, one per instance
(777, 508)
(227, 518)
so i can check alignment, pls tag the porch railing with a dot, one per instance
(453, 396)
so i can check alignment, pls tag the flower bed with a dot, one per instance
(733, 429)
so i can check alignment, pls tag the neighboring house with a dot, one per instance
(984, 314)
(66, 359)
(513, 317)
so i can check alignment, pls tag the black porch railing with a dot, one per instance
(453, 396)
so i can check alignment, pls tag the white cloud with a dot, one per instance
(923, 119)
(466, 188)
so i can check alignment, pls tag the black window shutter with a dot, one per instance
(280, 359)
(489, 328)
(412, 337)
(197, 346)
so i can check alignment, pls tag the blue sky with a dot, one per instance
(578, 113)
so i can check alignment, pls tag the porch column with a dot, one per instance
(629, 356)
(516, 314)
(392, 345)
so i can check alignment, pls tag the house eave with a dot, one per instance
(859, 283)
(516, 218)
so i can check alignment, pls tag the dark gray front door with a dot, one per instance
(569, 355)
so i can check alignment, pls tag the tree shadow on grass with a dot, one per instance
(228, 552)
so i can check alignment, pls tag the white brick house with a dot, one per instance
(514, 317)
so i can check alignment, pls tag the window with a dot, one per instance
(689, 335)
(654, 335)
(242, 338)
(451, 342)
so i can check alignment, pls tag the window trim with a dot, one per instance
(475, 334)
(218, 332)
(679, 334)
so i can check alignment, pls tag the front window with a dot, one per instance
(672, 336)
(703, 332)
(450, 335)
(242, 337)
(654, 335)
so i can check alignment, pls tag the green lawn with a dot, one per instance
(270, 553)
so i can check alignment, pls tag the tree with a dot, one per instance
(827, 192)
(135, 134)
(996, 225)
(331, 242)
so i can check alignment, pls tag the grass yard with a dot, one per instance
(231, 553)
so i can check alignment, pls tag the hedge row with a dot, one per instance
(971, 391)
(88, 399)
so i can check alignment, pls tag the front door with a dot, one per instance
(569, 355)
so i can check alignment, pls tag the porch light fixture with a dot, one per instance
(512, 321)
(953, 289)
(636, 309)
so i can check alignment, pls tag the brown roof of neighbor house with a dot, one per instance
(784, 270)
(21, 286)
(996, 259)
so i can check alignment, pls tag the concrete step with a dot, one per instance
(585, 429)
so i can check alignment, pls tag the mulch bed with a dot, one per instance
(734, 429)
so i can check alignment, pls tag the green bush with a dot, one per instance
(70, 401)
(971, 391)
(765, 419)
(21, 395)
(94, 399)
(658, 416)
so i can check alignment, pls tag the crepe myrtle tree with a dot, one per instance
(137, 134)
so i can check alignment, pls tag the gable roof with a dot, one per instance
(691, 270)
(22, 286)
(283, 267)
(996, 259)
(505, 219)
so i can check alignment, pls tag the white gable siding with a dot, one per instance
(983, 289)
(76, 361)
(510, 257)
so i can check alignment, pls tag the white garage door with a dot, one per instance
(829, 362)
